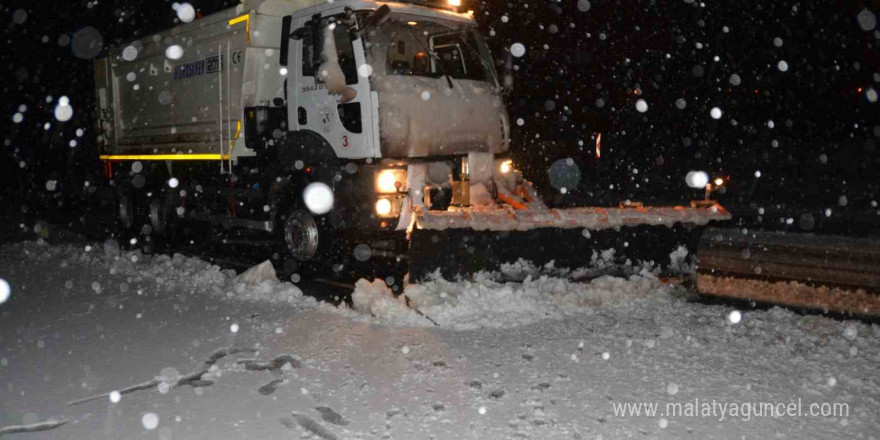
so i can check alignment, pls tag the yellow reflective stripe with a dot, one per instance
(239, 19)
(190, 156)
(247, 24)
(164, 157)
(237, 130)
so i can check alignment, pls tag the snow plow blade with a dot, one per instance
(797, 269)
(577, 242)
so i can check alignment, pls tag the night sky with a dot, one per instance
(794, 82)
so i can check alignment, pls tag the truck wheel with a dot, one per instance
(158, 215)
(125, 211)
(302, 235)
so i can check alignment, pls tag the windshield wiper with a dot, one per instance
(479, 57)
(433, 55)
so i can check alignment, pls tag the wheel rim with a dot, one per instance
(158, 215)
(301, 235)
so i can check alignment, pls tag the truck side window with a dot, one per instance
(309, 64)
(350, 115)
(345, 51)
(311, 55)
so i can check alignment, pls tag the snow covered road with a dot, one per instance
(543, 359)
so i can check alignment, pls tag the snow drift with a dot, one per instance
(170, 273)
(485, 303)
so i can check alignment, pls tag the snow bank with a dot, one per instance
(519, 293)
(601, 262)
(171, 273)
(376, 299)
(485, 303)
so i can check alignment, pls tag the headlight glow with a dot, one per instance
(506, 166)
(719, 181)
(383, 207)
(455, 3)
(390, 181)
(697, 179)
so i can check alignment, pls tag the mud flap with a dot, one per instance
(458, 253)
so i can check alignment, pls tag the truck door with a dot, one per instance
(346, 124)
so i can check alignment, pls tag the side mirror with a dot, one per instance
(507, 85)
(380, 15)
(376, 18)
(285, 39)
(299, 34)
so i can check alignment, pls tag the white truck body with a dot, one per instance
(391, 111)
(192, 107)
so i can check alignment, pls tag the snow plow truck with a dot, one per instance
(343, 132)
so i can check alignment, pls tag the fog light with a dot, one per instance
(506, 166)
(383, 207)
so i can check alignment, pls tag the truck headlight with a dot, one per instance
(390, 181)
(506, 166)
(383, 207)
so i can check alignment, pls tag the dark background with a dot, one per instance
(825, 129)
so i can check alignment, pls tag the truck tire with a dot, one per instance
(302, 235)
(309, 242)
(125, 211)
(158, 215)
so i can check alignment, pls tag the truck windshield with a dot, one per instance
(425, 46)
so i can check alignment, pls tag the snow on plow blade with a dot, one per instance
(464, 241)
(808, 270)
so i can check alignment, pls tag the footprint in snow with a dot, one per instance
(307, 423)
(541, 386)
(475, 384)
(270, 387)
(331, 416)
(273, 365)
(200, 383)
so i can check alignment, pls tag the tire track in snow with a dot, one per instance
(36, 427)
(193, 379)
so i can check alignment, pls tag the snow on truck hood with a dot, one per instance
(422, 116)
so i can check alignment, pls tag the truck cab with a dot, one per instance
(418, 82)
(408, 91)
